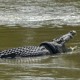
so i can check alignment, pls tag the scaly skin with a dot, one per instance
(45, 48)
(28, 51)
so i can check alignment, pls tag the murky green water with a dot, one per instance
(58, 67)
(30, 22)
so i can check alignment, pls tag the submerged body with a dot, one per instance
(45, 48)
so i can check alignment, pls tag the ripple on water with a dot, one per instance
(39, 13)
(40, 68)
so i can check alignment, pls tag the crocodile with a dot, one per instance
(55, 46)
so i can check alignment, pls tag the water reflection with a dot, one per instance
(19, 61)
(47, 67)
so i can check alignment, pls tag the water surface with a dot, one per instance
(57, 67)
(37, 13)
(30, 22)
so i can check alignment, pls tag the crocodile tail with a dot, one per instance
(7, 55)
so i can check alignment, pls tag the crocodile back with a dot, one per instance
(28, 51)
